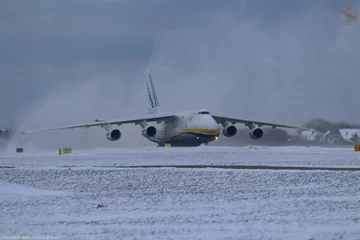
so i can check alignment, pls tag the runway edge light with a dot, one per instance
(357, 147)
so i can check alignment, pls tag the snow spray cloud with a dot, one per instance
(280, 61)
(101, 97)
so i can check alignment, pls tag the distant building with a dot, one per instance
(334, 137)
(307, 137)
(350, 135)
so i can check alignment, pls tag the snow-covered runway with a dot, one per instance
(80, 196)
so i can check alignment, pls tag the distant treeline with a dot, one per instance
(5, 133)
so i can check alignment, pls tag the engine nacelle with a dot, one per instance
(256, 133)
(149, 131)
(113, 135)
(229, 131)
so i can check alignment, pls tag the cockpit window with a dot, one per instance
(204, 112)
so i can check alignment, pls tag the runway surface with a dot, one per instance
(267, 156)
(196, 193)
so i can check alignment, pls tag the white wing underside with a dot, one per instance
(136, 120)
(247, 122)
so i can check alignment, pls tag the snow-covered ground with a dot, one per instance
(252, 155)
(39, 197)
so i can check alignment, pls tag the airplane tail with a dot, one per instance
(152, 97)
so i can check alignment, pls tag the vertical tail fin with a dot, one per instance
(152, 97)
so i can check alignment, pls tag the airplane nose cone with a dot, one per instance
(212, 125)
(214, 129)
(208, 124)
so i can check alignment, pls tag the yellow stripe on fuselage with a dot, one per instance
(199, 130)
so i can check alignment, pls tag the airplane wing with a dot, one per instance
(135, 120)
(233, 120)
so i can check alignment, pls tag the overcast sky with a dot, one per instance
(65, 62)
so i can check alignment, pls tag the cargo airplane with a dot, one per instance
(186, 128)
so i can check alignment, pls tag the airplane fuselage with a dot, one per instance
(189, 128)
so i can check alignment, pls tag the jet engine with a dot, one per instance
(149, 131)
(113, 135)
(229, 131)
(256, 133)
